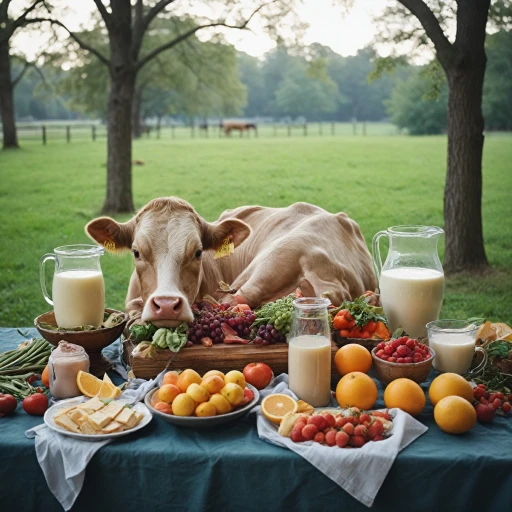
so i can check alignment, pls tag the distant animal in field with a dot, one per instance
(228, 127)
(283, 248)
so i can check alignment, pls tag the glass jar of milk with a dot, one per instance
(63, 365)
(411, 281)
(309, 352)
(78, 289)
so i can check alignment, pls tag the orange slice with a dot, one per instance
(275, 406)
(88, 384)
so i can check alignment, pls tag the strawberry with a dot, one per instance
(375, 429)
(342, 439)
(318, 420)
(364, 418)
(361, 430)
(308, 432)
(380, 414)
(340, 421)
(357, 441)
(319, 437)
(296, 435)
(348, 428)
(378, 438)
(330, 437)
(506, 407)
(329, 418)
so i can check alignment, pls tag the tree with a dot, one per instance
(427, 22)
(307, 90)
(410, 107)
(127, 26)
(8, 26)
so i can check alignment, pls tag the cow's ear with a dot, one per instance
(215, 234)
(111, 234)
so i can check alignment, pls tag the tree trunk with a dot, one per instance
(120, 101)
(136, 118)
(463, 191)
(7, 99)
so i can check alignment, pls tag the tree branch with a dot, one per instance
(82, 44)
(142, 22)
(428, 20)
(104, 13)
(15, 82)
(151, 55)
(22, 20)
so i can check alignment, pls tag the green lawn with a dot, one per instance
(49, 193)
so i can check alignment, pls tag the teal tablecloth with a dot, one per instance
(163, 467)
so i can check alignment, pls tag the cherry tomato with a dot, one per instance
(371, 326)
(340, 322)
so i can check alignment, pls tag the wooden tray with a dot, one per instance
(218, 357)
(366, 343)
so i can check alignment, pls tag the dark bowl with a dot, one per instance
(92, 341)
(387, 372)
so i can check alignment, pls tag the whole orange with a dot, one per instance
(356, 389)
(405, 394)
(45, 377)
(450, 384)
(454, 415)
(352, 358)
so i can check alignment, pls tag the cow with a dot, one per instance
(276, 251)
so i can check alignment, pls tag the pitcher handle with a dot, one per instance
(42, 276)
(377, 260)
(475, 371)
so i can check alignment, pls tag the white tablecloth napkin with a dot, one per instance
(64, 459)
(360, 471)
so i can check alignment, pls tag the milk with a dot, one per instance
(78, 298)
(309, 369)
(411, 298)
(454, 351)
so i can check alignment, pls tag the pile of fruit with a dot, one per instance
(403, 350)
(360, 319)
(490, 402)
(189, 394)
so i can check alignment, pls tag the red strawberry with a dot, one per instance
(330, 437)
(342, 439)
(318, 420)
(296, 435)
(375, 429)
(357, 441)
(348, 428)
(329, 418)
(364, 417)
(319, 437)
(308, 432)
(361, 430)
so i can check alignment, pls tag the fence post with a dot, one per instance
(68, 134)
(44, 135)
(332, 127)
(289, 130)
(93, 132)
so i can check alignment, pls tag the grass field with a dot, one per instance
(49, 193)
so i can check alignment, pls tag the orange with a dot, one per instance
(167, 393)
(352, 358)
(356, 389)
(88, 384)
(188, 377)
(454, 415)
(450, 384)
(163, 407)
(275, 406)
(45, 377)
(170, 378)
(406, 395)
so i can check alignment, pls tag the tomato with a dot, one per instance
(371, 326)
(342, 313)
(8, 404)
(355, 332)
(351, 324)
(340, 322)
(344, 333)
(258, 375)
(365, 334)
(35, 404)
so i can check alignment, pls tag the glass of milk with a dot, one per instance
(309, 351)
(454, 342)
(78, 289)
(411, 280)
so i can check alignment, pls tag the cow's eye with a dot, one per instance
(136, 254)
(199, 252)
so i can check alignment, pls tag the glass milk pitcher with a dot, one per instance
(78, 289)
(411, 281)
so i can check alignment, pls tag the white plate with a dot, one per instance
(64, 404)
(210, 421)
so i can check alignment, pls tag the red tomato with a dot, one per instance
(342, 313)
(340, 322)
(258, 375)
(371, 326)
(344, 333)
(8, 404)
(35, 404)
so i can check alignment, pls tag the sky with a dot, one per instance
(328, 23)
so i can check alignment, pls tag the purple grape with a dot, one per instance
(269, 327)
(267, 336)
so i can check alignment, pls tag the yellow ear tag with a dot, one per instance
(226, 248)
(109, 245)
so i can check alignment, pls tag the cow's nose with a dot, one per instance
(166, 308)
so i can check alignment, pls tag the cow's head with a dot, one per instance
(167, 238)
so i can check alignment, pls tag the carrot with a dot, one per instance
(382, 331)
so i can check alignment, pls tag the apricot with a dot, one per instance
(235, 377)
(167, 393)
(198, 393)
(220, 403)
(183, 405)
(206, 409)
(213, 383)
(163, 407)
(233, 393)
(188, 377)
(214, 372)
(170, 378)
